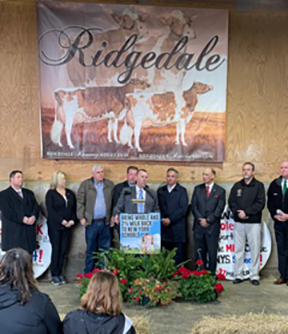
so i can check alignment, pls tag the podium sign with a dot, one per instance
(140, 233)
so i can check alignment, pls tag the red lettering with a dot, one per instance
(227, 226)
(230, 248)
(39, 231)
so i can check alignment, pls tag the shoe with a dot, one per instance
(280, 280)
(62, 280)
(56, 281)
(237, 281)
(255, 282)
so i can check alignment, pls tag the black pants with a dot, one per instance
(180, 253)
(206, 244)
(281, 234)
(60, 242)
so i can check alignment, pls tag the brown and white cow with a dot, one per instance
(158, 110)
(91, 104)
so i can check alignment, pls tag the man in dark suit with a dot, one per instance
(140, 191)
(20, 212)
(173, 203)
(278, 208)
(208, 203)
(129, 183)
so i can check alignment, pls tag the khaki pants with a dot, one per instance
(251, 232)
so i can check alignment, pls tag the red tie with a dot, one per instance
(207, 191)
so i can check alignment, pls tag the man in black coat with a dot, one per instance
(20, 212)
(173, 203)
(278, 208)
(246, 201)
(130, 182)
(208, 203)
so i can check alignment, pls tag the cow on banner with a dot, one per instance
(91, 104)
(158, 110)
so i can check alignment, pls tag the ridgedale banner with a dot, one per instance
(132, 82)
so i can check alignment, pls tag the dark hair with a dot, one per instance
(103, 294)
(142, 170)
(249, 163)
(172, 170)
(16, 271)
(213, 171)
(132, 168)
(13, 173)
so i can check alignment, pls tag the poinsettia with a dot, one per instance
(219, 288)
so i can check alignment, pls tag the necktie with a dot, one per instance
(20, 193)
(284, 187)
(140, 205)
(207, 191)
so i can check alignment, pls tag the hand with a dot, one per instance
(26, 220)
(70, 223)
(83, 222)
(281, 218)
(203, 222)
(165, 221)
(112, 222)
(242, 214)
(117, 220)
(31, 220)
(64, 222)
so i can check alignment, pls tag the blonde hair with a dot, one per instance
(103, 294)
(56, 177)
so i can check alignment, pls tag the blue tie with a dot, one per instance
(140, 205)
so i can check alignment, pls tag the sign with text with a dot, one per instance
(125, 82)
(140, 233)
(226, 248)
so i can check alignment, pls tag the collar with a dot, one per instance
(100, 184)
(251, 184)
(171, 188)
(137, 189)
(210, 185)
(17, 191)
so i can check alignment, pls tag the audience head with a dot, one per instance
(103, 295)
(208, 175)
(142, 178)
(248, 170)
(58, 180)
(171, 176)
(16, 272)
(284, 168)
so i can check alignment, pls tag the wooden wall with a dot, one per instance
(257, 108)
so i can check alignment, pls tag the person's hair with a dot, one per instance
(132, 168)
(103, 295)
(213, 171)
(56, 178)
(16, 272)
(13, 173)
(96, 167)
(142, 170)
(249, 163)
(172, 170)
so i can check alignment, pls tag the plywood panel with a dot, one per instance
(257, 112)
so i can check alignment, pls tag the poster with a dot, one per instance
(122, 82)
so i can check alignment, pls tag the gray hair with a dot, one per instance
(96, 167)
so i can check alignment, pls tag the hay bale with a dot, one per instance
(245, 324)
(140, 323)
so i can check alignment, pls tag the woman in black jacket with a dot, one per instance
(24, 309)
(61, 208)
(101, 309)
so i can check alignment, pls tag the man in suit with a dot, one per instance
(278, 208)
(20, 212)
(173, 203)
(208, 203)
(129, 183)
(94, 205)
(139, 191)
(246, 201)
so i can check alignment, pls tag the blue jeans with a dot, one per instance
(98, 237)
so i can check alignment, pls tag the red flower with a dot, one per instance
(89, 275)
(79, 275)
(137, 298)
(115, 271)
(199, 262)
(203, 272)
(131, 290)
(185, 275)
(123, 281)
(221, 277)
(96, 271)
(166, 283)
(219, 287)
(140, 292)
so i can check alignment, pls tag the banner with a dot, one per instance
(140, 233)
(121, 82)
(42, 255)
(226, 250)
